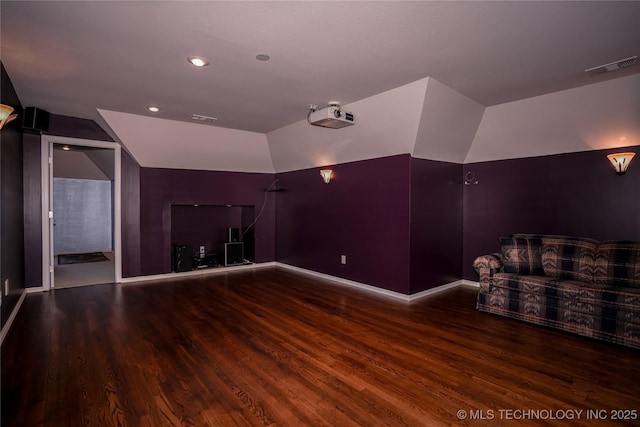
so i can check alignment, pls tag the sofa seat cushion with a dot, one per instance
(618, 264)
(620, 327)
(522, 255)
(529, 284)
(570, 294)
(593, 316)
(569, 258)
(617, 320)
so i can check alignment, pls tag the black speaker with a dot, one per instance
(234, 234)
(35, 119)
(181, 258)
(233, 253)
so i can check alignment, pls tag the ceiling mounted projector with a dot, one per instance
(331, 117)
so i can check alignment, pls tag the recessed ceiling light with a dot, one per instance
(263, 57)
(66, 148)
(153, 108)
(198, 61)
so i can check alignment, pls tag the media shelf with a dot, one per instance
(209, 261)
(229, 254)
(204, 229)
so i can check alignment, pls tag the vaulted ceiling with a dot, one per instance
(108, 61)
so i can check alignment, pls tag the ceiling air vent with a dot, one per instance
(613, 66)
(201, 118)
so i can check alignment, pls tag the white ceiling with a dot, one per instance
(73, 58)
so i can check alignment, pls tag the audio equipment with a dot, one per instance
(204, 262)
(234, 234)
(233, 253)
(181, 258)
(35, 119)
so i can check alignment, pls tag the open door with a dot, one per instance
(47, 215)
(48, 203)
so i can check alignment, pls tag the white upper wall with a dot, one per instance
(386, 124)
(448, 124)
(598, 116)
(425, 119)
(174, 144)
(76, 164)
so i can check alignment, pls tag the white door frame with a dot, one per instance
(47, 142)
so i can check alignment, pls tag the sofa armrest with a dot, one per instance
(486, 266)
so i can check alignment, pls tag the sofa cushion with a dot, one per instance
(618, 264)
(617, 325)
(624, 299)
(522, 255)
(576, 295)
(569, 258)
(536, 285)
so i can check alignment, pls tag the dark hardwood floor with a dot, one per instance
(270, 347)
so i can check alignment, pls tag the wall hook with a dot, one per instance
(470, 178)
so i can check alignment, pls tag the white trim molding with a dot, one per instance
(434, 291)
(196, 273)
(375, 289)
(471, 283)
(335, 279)
(47, 141)
(12, 316)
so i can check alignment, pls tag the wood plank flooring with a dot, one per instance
(271, 347)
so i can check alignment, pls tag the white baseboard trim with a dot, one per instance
(470, 283)
(335, 279)
(436, 290)
(12, 316)
(196, 273)
(375, 289)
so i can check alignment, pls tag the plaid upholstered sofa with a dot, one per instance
(575, 284)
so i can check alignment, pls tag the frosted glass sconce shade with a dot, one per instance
(620, 161)
(5, 115)
(326, 175)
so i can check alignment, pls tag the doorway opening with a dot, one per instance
(81, 212)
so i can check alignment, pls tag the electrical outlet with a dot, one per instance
(343, 259)
(6, 287)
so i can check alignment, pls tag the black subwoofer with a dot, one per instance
(181, 258)
(233, 253)
(35, 119)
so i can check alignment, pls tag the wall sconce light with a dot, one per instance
(326, 175)
(620, 161)
(5, 115)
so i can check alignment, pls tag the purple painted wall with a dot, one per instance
(11, 202)
(130, 215)
(436, 224)
(32, 203)
(161, 188)
(575, 194)
(75, 127)
(363, 214)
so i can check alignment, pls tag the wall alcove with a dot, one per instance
(207, 225)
